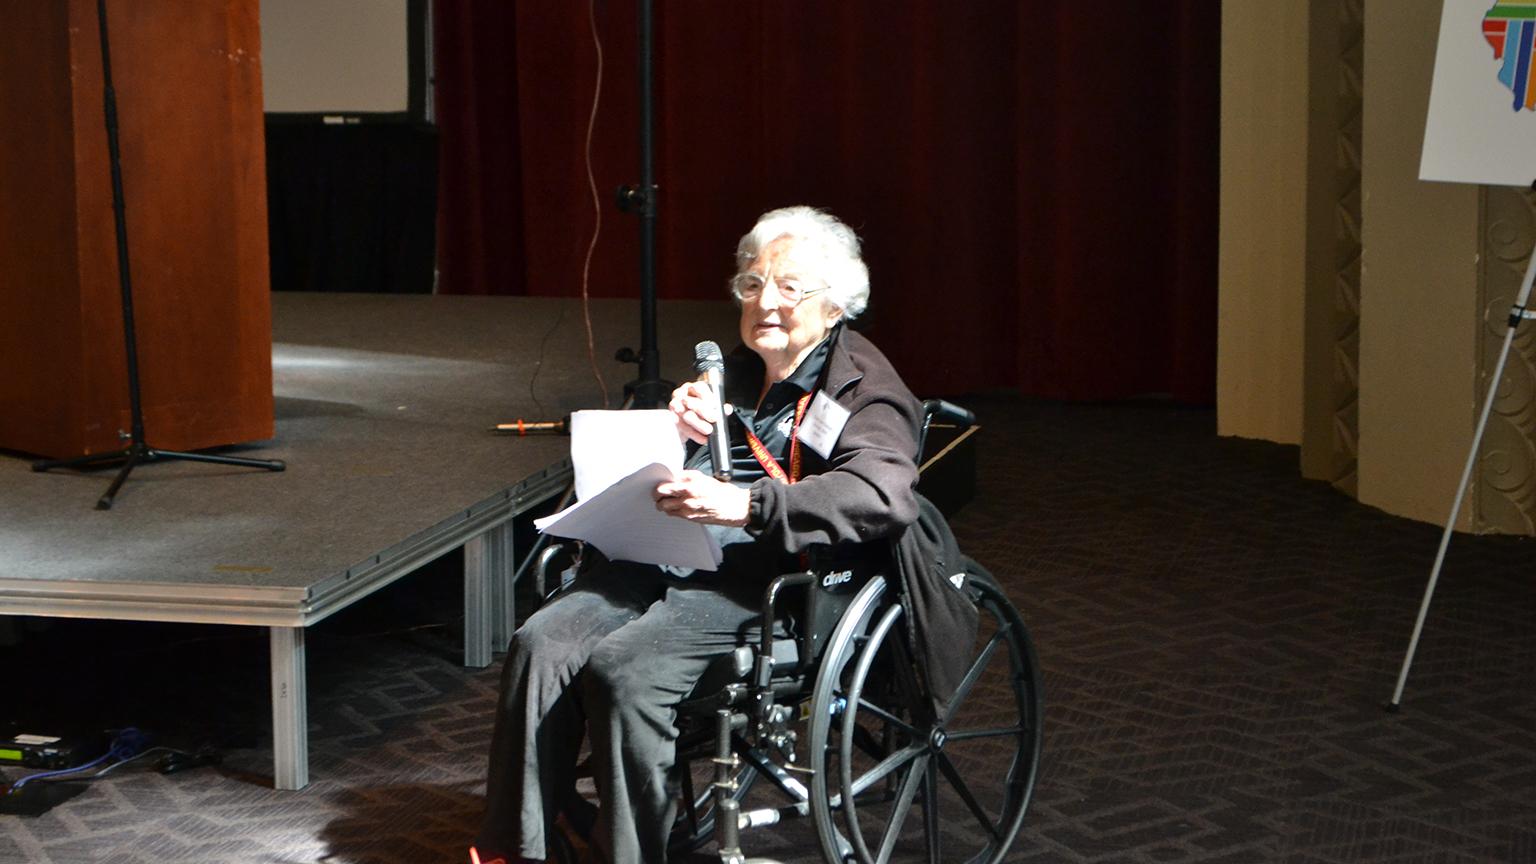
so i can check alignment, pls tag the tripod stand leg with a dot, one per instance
(86, 462)
(105, 502)
(137, 453)
(269, 464)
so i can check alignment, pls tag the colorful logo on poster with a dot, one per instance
(1510, 27)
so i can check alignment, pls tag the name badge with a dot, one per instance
(823, 425)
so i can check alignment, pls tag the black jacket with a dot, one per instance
(865, 491)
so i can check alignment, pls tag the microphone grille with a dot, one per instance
(707, 356)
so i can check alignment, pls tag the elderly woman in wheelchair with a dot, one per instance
(690, 685)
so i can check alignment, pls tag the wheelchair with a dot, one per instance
(834, 717)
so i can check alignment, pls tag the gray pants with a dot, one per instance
(639, 640)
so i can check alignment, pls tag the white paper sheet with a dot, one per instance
(624, 523)
(607, 446)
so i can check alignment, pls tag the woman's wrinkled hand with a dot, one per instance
(697, 410)
(698, 497)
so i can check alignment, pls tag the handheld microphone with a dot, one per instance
(708, 361)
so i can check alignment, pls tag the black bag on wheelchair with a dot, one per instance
(932, 583)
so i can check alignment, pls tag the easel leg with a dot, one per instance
(290, 715)
(1516, 315)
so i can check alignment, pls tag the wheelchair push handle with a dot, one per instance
(947, 412)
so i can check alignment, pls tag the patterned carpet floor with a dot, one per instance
(1217, 638)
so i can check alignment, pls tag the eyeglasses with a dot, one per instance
(749, 286)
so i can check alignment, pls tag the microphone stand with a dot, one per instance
(649, 390)
(137, 449)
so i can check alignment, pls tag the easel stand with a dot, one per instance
(138, 450)
(1517, 313)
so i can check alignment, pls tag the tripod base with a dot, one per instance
(139, 452)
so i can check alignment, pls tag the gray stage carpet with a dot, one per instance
(1217, 638)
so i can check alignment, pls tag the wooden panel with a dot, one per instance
(188, 82)
(39, 293)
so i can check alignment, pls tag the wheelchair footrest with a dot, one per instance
(772, 815)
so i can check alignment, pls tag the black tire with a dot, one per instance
(895, 782)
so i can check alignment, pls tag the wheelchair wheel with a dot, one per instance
(895, 782)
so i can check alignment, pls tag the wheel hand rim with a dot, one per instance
(865, 659)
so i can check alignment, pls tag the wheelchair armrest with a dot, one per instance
(556, 557)
(946, 412)
(938, 409)
(763, 672)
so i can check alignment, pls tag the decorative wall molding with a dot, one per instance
(1504, 483)
(1335, 158)
(1345, 390)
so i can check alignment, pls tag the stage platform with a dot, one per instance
(384, 406)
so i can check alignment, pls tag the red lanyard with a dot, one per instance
(765, 459)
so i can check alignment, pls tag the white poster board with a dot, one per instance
(1482, 103)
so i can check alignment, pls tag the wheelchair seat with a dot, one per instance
(735, 667)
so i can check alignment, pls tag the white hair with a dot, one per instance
(834, 252)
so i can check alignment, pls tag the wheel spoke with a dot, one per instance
(953, 775)
(931, 811)
(866, 705)
(886, 766)
(902, 807)
(867, 743)
(974, 674)
(997, 732)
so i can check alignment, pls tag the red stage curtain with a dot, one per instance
(480, 188)
(1035, 181)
